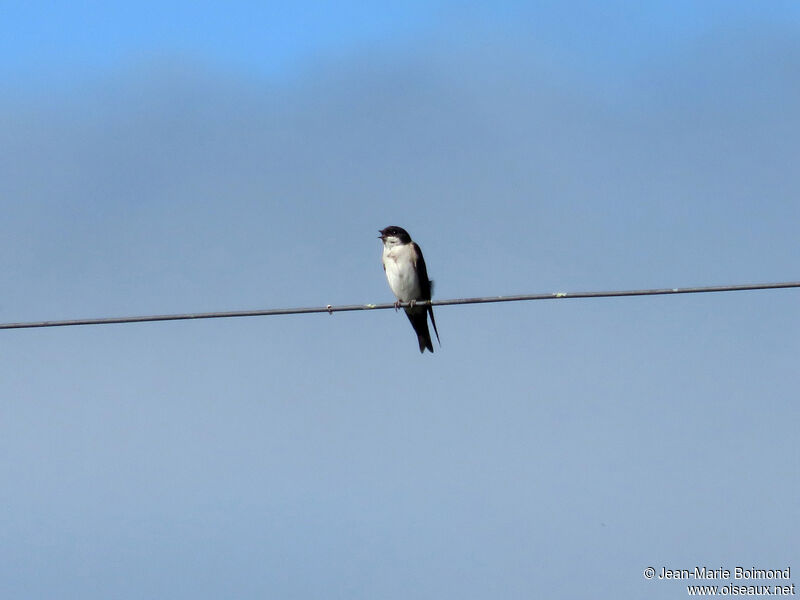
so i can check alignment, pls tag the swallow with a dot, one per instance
(408, 278)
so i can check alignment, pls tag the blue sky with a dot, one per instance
(195, 157)
(45, 40)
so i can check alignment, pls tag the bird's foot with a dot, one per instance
(397, 305)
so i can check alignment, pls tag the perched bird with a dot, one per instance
(408, 278)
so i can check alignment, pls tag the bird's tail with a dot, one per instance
(419, 321)
(430, 311)
(433, 321)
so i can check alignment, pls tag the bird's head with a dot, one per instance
(393, 236)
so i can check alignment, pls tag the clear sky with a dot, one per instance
(189, 157)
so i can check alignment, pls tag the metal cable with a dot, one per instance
(351, 307)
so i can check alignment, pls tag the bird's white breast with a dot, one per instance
(401, 272)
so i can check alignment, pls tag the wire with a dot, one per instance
(346, 308)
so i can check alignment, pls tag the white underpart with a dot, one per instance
(400, 270)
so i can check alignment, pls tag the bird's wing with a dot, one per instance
(425, 284)
(422, 272)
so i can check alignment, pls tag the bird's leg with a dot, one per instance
(396, 305)
(412, 303)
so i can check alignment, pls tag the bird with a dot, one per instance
(408, 279)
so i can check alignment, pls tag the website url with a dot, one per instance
(740, 590)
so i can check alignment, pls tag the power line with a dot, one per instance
(351, 307)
